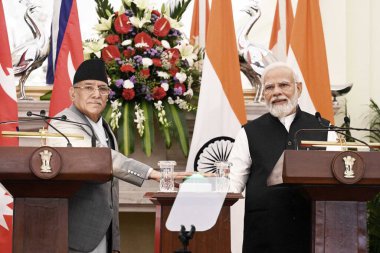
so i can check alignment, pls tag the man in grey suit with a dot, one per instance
(93, 210)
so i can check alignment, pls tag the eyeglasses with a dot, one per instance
(87, 89)
(284, 86)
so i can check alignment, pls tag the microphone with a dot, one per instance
(64, 118)
(45, 119)
(295, 139)
(339, 129)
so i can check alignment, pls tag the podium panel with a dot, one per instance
(40, 213)
(217, 239)
(339, 208)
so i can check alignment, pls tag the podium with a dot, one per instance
(339, 204)
(217, 239)
(41, 180)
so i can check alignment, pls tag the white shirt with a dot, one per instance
(241, 160)
(99, 131)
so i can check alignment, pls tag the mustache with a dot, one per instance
(281, 97)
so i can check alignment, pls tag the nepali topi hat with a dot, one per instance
(93, 69)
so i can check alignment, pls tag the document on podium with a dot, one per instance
(198, 203)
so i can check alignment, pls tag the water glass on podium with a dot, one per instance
(167, 177)
(222, 173)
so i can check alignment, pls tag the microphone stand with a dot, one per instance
(339, 129)
(185, 236)
(64, 119)
(322, 130)
(45, 119)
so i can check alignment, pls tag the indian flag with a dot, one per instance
(281, 29)
(200, 16)
(307, 55)
(221, 109)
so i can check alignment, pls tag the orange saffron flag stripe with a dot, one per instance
(308, 45)
(222, 51)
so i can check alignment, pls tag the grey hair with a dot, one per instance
(277, 65)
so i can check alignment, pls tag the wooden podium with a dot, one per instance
(339, 204)
(41, 180)
(217, 239)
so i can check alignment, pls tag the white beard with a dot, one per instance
(281, 111)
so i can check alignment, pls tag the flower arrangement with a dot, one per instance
(153, 70)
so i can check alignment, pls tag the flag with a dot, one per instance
(6, 214)
(307, 55)
(281, 29)
(195, 29)
(8, 111)
(67, 53)
(221, 109)
(8, 98)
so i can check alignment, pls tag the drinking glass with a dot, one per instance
(167, 178)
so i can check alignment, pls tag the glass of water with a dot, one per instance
(167, 177)
(222, 175)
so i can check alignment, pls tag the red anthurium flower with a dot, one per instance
(173, 71)
(161, 27)
(180, 86)
(157, 13)
(143, 38)
(127, 68)
(128, 53)
(122, 24)
(157, 62)
(112, 39)
(158, 93)
(128, 94)
(110, 53)
(174, 55)
(145, 73)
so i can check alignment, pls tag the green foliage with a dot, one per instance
(103, 9)
(373, 206)
(126, 131)
(375, 121)
(177, 8)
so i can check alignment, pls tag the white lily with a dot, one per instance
(174, 23)
(93, 46)
(142, 4)
(105, 24)
(187, 52)
(139, 23)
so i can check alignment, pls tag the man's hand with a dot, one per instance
(155, 175)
